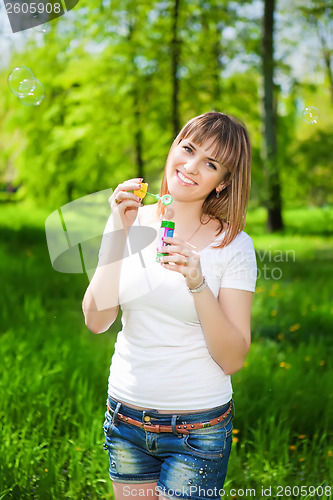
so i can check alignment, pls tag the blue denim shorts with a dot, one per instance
(185, 466)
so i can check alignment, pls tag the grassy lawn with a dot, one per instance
(54, 371)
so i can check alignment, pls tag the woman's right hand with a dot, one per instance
(125, 205)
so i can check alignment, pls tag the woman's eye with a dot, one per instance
(212, 165)
(190, 150)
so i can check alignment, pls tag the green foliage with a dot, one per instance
(54, 371)
(109, 88)
(107, 116)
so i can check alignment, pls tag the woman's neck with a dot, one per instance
(185, 214)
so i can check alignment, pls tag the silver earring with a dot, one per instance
(217, 194)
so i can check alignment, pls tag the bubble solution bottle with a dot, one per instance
(167, 229)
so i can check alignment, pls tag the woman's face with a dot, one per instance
(193, 172)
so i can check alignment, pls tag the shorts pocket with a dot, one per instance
(209, 442)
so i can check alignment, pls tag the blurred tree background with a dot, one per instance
(122, 77)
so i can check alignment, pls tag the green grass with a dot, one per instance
(54, 371)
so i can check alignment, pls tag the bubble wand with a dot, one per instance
(142, 192)
(167, 227)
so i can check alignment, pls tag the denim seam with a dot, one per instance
(116, 479)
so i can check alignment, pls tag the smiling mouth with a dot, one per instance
(184, 180)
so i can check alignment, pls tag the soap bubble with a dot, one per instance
(40, 21)
(311, 115)
(28, 85)
(34, 92)
(17, 76)
(45, 28)
(25, 86)
(169, 213)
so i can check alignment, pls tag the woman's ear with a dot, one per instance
(226, 181)
(223, 185)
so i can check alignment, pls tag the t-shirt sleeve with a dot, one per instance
(241, 270)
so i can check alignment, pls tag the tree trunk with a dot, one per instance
(213, 39)
(138, 138)
(326, 55)
(175, 54)
(217, 51)
(137, 128)
(273, 203)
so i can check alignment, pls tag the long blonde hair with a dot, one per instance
(233, 151)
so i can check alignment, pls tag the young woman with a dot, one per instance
(185, 319)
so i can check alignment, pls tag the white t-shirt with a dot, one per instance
(161, 360)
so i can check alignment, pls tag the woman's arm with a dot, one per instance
(100, 303)
(225, 321)
(226, 324)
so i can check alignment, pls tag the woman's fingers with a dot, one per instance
(122, 193)
(130, 184)
(175, 249)
(124, 204)
(181, 260)
(193, 275)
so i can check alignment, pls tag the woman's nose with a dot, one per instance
(192, 165)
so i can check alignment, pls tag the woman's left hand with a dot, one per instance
(184, 258)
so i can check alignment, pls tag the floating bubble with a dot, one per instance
(311, 115)
(40, 22)
(17, 76)
(169, 213)
(43, 28)
(26, 87)
(35, 96)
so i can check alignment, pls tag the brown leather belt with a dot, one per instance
(181, 429)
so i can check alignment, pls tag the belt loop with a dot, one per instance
(173, 425)
(115, 413)
(144, 419)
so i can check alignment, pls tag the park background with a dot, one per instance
(120, 80)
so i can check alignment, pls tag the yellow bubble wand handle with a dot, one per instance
(142, 192)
